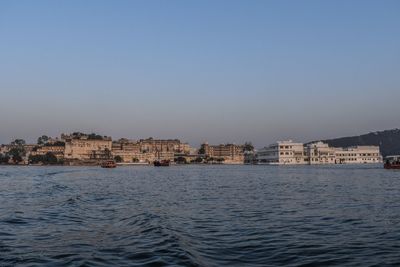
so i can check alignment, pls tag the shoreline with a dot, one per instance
(196, 164)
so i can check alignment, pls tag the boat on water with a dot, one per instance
(108, 164)
(392, 162)
(162, 163)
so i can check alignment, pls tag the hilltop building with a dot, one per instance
(149, 150)
(87, 147)
(250, 157)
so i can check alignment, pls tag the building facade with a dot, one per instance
(149, 150)
(320, 153)
(228, 153)
(57, 151)
(282, 153)
(159, 145)
(86, 148)
(358, 154)
(126, 149)
(290, 153)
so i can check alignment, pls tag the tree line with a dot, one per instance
(17, 153)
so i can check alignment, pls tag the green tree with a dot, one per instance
(248, 146)
(210, 159)
(50, 158)
(17, 154)
(35, 159)
(197, 160)
(18, 142)
(4, 158)
(43, 140)
(94, 136)
(220, 160)
(202, 150)
(181, 160)
(118, 158)
(57, 143)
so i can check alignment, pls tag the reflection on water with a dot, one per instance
(200, 216)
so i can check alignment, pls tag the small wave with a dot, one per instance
(287, 217)
(15, 221)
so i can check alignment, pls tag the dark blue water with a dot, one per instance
(200, 216)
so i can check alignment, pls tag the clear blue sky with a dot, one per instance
(221, 71)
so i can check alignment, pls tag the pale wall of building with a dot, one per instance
(87, 149)
(359, 154)
(290, 153)
(282, 153)
(231, 153)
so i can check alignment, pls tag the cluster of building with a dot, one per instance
(289, 152)
(79, 148)
(86, 149)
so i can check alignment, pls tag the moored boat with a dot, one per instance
(392, 162)
(161, 163)
(108, 164)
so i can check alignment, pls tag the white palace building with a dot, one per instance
(291, 153)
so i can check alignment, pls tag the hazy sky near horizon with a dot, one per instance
(221, 71)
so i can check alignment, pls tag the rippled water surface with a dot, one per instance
(200, 216)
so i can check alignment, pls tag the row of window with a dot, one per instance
(363, 159)
(360, 155)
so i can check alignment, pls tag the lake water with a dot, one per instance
(200, 216)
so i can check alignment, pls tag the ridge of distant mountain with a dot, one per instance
(387, 140)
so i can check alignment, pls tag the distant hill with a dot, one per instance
(388, 141)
